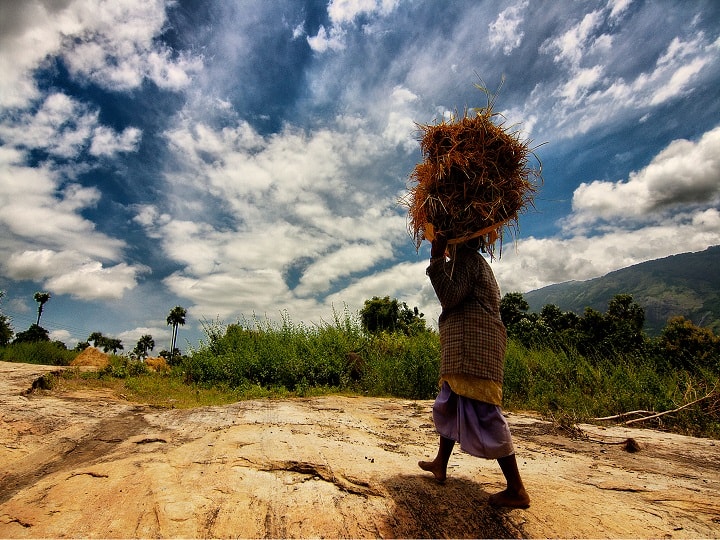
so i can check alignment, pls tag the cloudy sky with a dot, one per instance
(245, 158)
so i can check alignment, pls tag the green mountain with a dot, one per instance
(686, 284)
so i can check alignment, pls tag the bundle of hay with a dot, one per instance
(474, 180)
(158, 364)
(91, 357)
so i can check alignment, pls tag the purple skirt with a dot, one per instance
(479, 427)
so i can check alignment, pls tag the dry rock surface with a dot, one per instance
(91, 464)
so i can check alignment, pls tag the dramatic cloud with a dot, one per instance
(505, 30)
(683, 175)
(112, 44)
(343, 13)
(72, 273)
(247, 158)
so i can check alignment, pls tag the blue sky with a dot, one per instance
(245, 158)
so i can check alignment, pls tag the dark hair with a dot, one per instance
(475, 243)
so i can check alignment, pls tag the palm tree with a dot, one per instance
(175, 318)
(145, 343)
(41, 298)
(112, 344)
(97, 339)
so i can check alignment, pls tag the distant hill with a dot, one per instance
(686, 284)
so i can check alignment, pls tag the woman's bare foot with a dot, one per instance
(510, 499)
(438, 471)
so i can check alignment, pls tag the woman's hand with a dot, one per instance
(438, 246)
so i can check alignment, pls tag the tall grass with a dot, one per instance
(336, 356)
(259, 358)
(562, 381)
(41, 352)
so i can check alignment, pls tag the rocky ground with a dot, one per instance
(92, 465)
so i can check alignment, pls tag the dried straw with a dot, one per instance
(474, 180)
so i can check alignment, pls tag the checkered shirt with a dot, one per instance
(472, 335)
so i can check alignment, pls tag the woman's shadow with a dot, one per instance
(456, 509)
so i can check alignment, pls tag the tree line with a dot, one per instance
(36, 333)
(618, 331)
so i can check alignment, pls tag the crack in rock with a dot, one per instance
(347, 484)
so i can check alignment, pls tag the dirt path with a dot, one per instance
(94, 465)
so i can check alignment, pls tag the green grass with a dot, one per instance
(569, 384)
(260, 359)
(43, 352)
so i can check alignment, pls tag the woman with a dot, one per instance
(473, 340)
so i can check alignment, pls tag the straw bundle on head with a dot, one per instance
(474, 180)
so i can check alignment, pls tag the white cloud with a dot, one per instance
(160, 335)
(110, 43)
(60, 335)
(31, 31)
(618, 7)
(592, 96)
(45, 238)
(302, 215)
(72, 273)
(684, 174)
(117, 48)
(576, 89)
(65, 127)
(636, 223)
(343, 13)
(106, 142)
(678, 82)
(346, 11)
(536, 263)
(324, 40)
(505, 30)
(61, 125)
(571, 46)
(401, 126)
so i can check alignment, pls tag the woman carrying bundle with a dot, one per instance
(473, 341)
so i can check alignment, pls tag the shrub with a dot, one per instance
(38, 352)
(403, 366)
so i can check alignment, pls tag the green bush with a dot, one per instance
(122, 367)
(286, 356)
(554, 379)
(403, 366)
(338, 355)
(48, 353)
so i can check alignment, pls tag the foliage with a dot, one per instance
(513, 309)
(33, 334)
(51, 353)
(555, 381)
(145, 343)
(557, 363)
(296, 357)
(687, 346)
(287, 355)
(107, 344)
(175, 318)
(672, 286)
(389, 315)
(6, 331)
(402, 366)
(122, 367)
(620, 329)
(41, 298)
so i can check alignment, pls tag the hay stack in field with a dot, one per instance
(91, 357)
(158, 364)
(474, 180)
